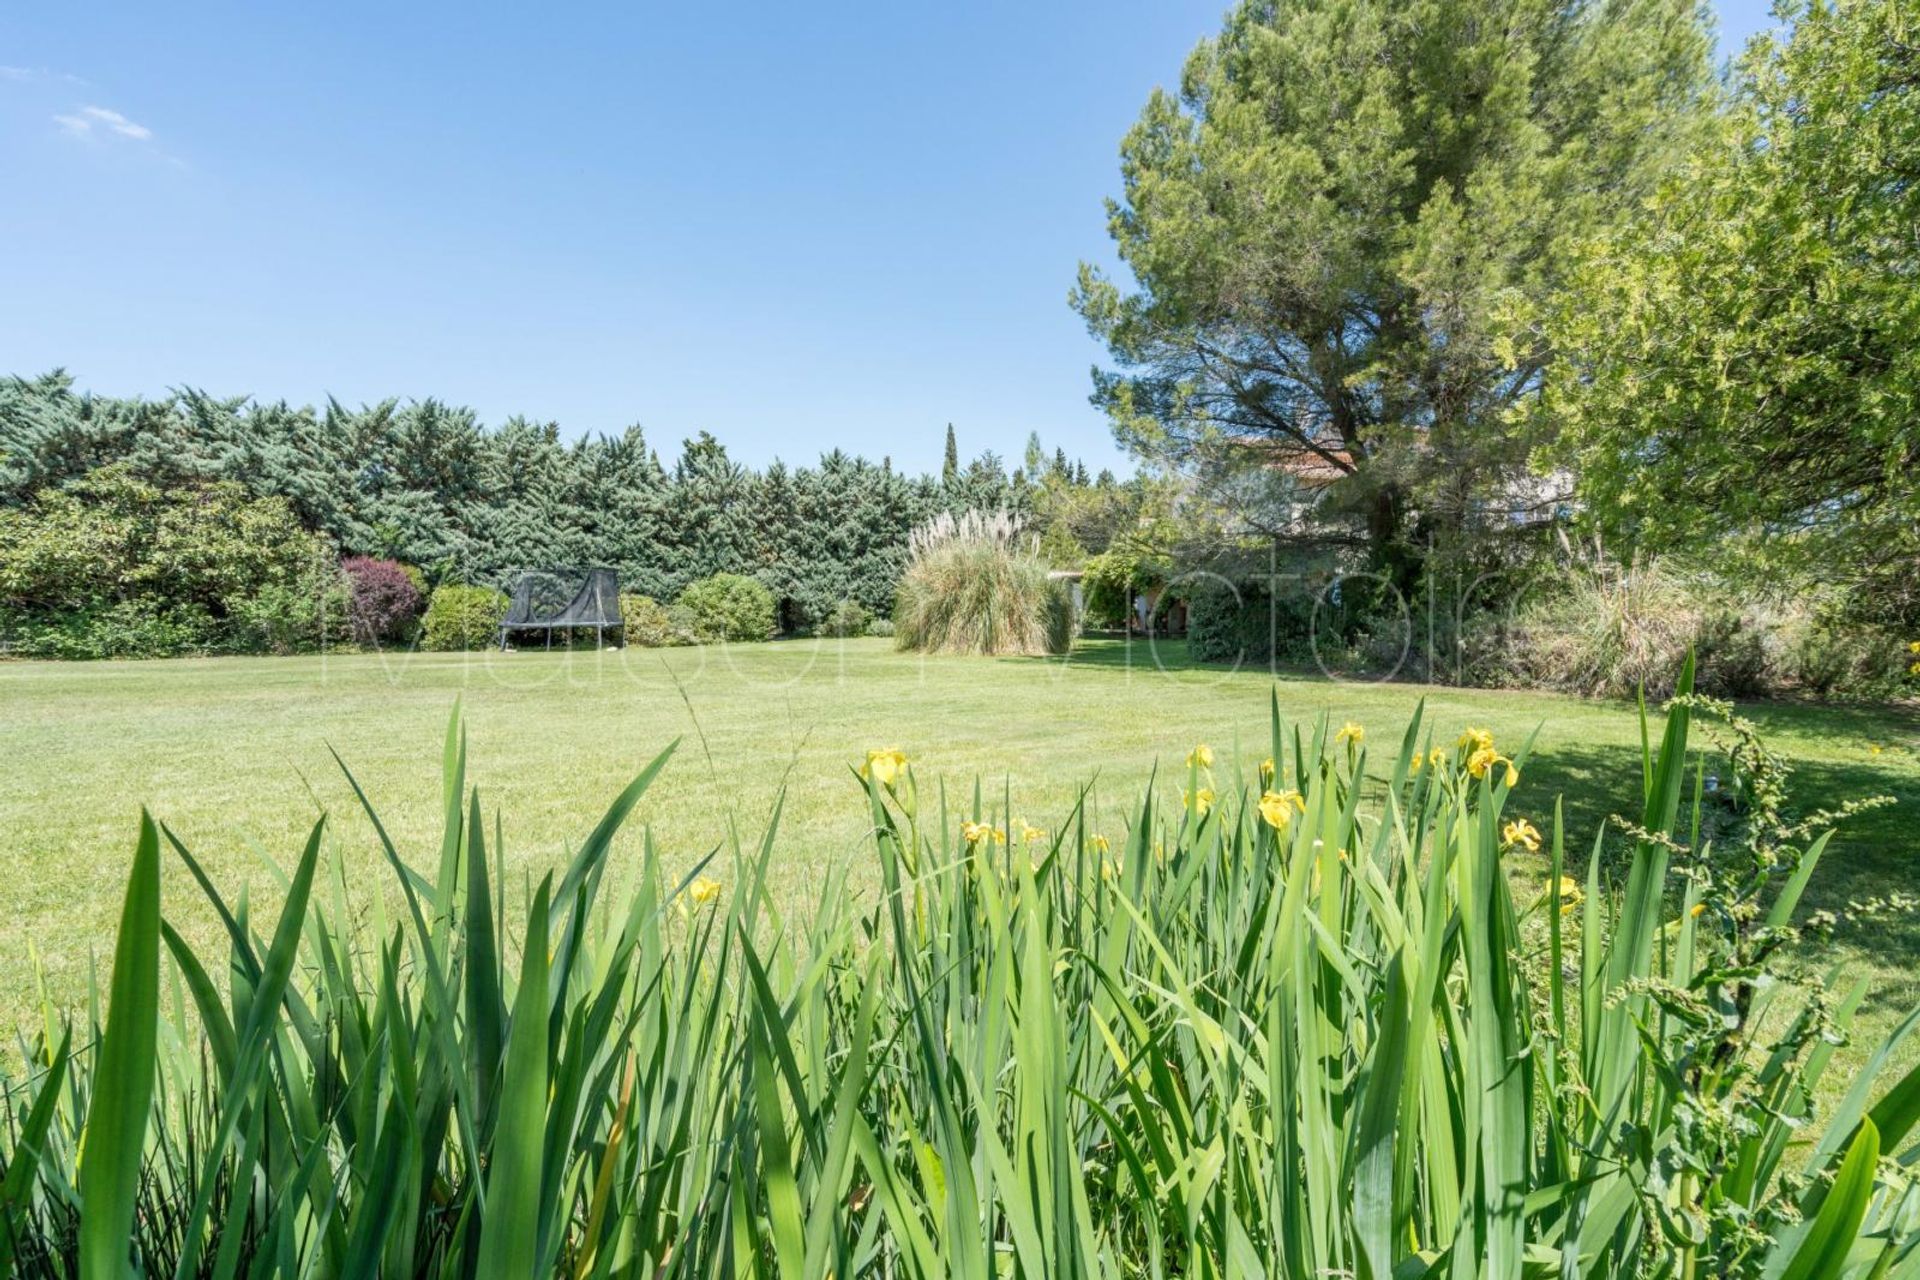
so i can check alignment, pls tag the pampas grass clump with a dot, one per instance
(974, 585)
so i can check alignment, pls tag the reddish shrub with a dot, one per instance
(384, 601)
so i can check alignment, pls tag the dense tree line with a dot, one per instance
(426, 483)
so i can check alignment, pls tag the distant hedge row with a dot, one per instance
(114, 566)
(724, 607)
(425, 483)
(728, 607)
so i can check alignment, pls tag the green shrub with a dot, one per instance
(143, 628)
(1309, 984)
(1242, 621)
(112, 566)
(972, 586)
(847, 619)
(462, 617)
(1734, 656)
(1832, 659)
(1114, 577)
(313, 612)
(880, 627)
(725, 607)
(648, 623)
(1228, 624)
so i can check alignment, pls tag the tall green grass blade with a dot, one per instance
(510, 1219)
(1828, 1240)
(485, 1005)
(123, 1075)
(26, 1153)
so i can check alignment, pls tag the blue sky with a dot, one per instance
(798, 227)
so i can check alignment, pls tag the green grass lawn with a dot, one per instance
(233, 755)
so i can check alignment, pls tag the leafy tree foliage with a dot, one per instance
(1327, 218)
(1746, 357)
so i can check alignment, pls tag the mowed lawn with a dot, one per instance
(233, 755)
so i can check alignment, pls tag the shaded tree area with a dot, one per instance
(426, 483)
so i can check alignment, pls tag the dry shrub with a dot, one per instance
(1611, 629)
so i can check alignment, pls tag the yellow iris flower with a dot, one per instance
(1278, 807)
(1521, 832)
(1485, 758)
(703, 890)
(1266, 772)
(1569, 893)
(884, 765)
(1199, 801)
(1351, 732)
(1201, 757)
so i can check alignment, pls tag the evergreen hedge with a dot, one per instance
(425, 483)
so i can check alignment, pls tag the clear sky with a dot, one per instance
(796, 226)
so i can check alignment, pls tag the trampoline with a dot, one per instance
(557, 600)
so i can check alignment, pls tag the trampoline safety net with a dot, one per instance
(544, 601)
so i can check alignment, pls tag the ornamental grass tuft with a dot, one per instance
(973, 584)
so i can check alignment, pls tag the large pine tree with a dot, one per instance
(712, 523)
(1327, 220)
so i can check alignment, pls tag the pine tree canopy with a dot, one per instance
(1328, 218)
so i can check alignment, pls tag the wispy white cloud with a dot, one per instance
(42, 75)
(90, 120)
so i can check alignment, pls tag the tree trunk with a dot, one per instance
(1389, 551)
